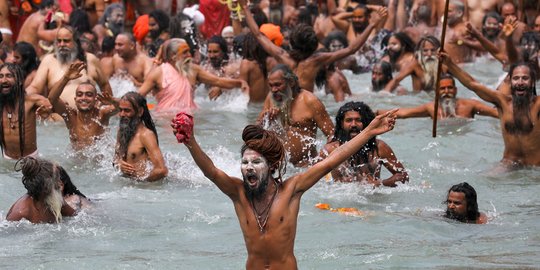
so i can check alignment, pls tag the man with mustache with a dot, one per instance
(127, 61)
(422, 69)
(267, 206)
(365, 165)
(53, 67)
(43, 201)
(172, 82)
(381, 76)
(449, 105)
(399, 51)
(295, 114)
(111, 22)
(462, 205)
(518, 112)
(137, 141)
(87, 122)
(18, 126)
(158, 26)
(302, 57)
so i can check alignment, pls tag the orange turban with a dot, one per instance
(272, 32)
(140, 29)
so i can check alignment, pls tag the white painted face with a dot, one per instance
(254, 168)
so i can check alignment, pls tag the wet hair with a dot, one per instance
(253, 51)
(407, 44)
(289, 76)
(79, 20)
(342, 136)
(30, 61)
(429, 38)
(108, 11)
(219, 40)
(69, 187)
(107, 45)
(470, 198)
(19, 95)
(268, 144)
(162, 19)
(139, 102)
(335, 35)
(303, 42)
(363, 6)
(38, 176)
(81, 54)
(386, 69)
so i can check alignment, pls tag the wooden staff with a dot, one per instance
(439, 70)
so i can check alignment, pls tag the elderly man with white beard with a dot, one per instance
(53, 67)
(173, 81)
(294, 114)
(43, 201)
(449, 105)
(423, 69)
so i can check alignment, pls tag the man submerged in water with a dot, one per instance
(267, 207)
(462, 206)
(449, 105)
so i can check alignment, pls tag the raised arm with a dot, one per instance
(486, 44)
(392, 164)
(468, 81)
(379, 125)
(151, 81)
(280, 54)
(73, 72)
(419, 111)
(376, 17)
(484, 109)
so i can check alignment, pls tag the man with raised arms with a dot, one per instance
(518, 112)
(86, 123)
(54, 66)
(266, 206)
(302, 58)
(449, 105)
(295, 114)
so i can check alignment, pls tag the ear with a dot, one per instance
(141, 111)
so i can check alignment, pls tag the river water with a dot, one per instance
(185, 222)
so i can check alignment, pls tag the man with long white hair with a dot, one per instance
(43, 202)
(172, 83)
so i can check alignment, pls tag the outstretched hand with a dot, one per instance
(383, 123)
(74, 70)
(182, 126)
(107, 99)
(510, 25)
(214, 92)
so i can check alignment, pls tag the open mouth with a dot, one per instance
(252, 179)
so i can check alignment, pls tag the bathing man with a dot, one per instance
(295, 114)
(519, 112)
(137, 141)
(18, 126)
(51, 70)
(461, 204)
(43, 201)
(86, 123)
(364, 165)
(267, 207)
(449, 105)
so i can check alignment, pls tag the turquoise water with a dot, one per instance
(185, 222)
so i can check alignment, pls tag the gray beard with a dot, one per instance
(126, 132)
(54, 202)
(66, 57)
(116, 28)
(183, 67)
(448, 106)
(430, 73)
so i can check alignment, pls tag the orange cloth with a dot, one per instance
(176, 93)
(140, 29)
(272, 32)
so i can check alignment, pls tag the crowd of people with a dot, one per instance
(58, 57)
